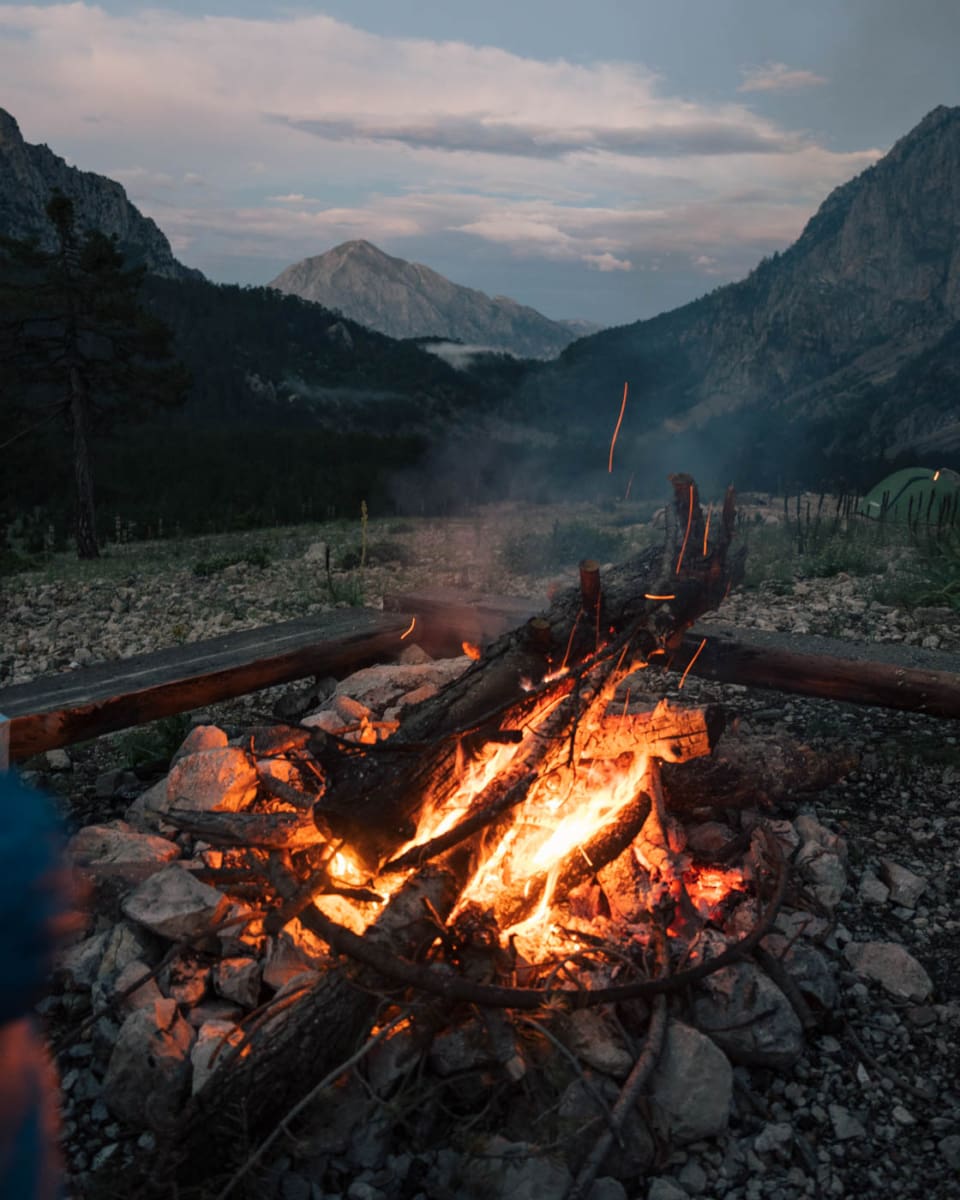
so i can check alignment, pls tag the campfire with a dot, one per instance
(510, 863)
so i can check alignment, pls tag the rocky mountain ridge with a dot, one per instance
(849, 339)
(406, 299)
(29, 173)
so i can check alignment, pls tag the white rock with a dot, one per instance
(147, 994)
(214, 1039)
(223, 780)
(149, 1069)
(597, 1044)
(238, 979)
(513, 1169)
(143, 813)
(175, 905)
(888, 964)
(692, 1086)
(58, 760)
(825, 872)
(201, 737)
(748, 1016)
(316, 552)
(906, 888)
(81, 961)
(327, 720)
(871, 890)
(117, 843)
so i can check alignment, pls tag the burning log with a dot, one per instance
(492, 801)
(376, 797)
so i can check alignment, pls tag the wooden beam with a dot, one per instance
(856, 677)
(447, 618)
(60, 709)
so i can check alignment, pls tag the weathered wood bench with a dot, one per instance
(60, 709)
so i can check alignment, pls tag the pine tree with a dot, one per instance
(76, 344)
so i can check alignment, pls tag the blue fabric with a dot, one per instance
(30, 894)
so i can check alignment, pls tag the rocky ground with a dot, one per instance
(872, 1106)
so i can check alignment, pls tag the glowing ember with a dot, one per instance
(470, 650)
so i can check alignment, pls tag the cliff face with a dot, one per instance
(405, 299)
(28, 174)
(846, 333)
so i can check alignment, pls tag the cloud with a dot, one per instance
(777, 77)
(485, 134)
(607, 262)
(597, 164)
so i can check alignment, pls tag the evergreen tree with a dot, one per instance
(76, 344)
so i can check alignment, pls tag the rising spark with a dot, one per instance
(650, 596)
(706, 529)
(686, 536)
(409, 629)
(683, 677)
(936, 475)
(613, 440)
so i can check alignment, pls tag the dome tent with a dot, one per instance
(920, 493)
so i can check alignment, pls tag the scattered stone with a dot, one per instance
(845, 1125)
(515, 1169)
(116, 843)
(413, 656)
(149, 1069)
(748, 1017)
(692, 1086)
(906, 888)
(80, 962)
(238, 979)
(607, 1188)
(148, 993)
(774, 1138)
(58, 760)
(597, 1044)
(872, 890)
(213, 1040)
(223, 780)
(201, 737)
(174, 905)
(889, 964)
(664, 1188)
(949, 1148)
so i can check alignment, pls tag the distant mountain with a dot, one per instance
(28, 174)
(843, 348)
(405, 299)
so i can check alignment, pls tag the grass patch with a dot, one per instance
(256, 556)
(156, 742)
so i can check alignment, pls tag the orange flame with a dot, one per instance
(613, 440)
(409, 629)
(470, 650)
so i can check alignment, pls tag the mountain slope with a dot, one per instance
(405, 299)
(28, 174)
(817, 345)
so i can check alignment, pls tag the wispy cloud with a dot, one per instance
(338, 133)
(778, 77)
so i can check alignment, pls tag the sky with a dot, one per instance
(605, 160)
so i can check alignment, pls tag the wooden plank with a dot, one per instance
(60, 709)
(856, 677)
(446, 617)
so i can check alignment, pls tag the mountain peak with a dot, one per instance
(9, 130)
(405, 299)
(28, 176)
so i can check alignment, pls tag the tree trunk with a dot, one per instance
(86, 526)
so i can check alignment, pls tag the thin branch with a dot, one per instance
(284, 1125)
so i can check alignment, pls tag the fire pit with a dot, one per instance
(506, 900)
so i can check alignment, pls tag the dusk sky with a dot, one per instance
(605, 160)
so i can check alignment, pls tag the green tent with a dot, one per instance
(918, 493)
